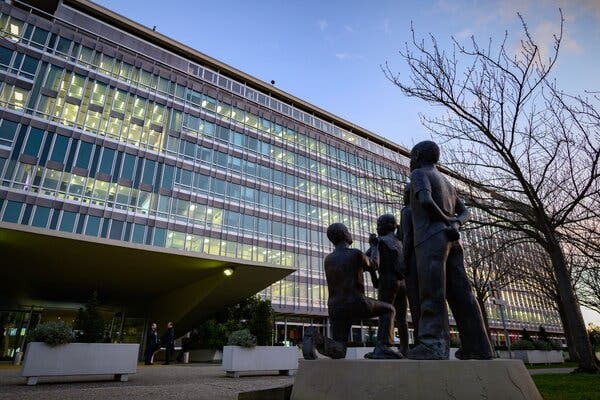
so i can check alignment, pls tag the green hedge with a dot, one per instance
(52, 333)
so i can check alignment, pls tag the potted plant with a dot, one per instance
(51, 351)
(242, 355)
(536, 352)
(207, 341)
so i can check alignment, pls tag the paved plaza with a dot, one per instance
(186, 381)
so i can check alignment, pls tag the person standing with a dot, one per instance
(168, 341)
(151, 343)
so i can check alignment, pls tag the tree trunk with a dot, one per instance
(573, 356)
(587, 359)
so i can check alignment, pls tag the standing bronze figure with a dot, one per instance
(406, 236)
(437, 214)
(390, 282)
(344, 269)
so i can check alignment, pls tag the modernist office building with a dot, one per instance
(133, 165)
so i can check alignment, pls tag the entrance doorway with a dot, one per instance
(14, 326)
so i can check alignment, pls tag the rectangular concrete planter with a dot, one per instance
(539, 356)
(238, 359)
(115, 359)
(206, 355)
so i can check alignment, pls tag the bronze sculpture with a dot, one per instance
(437, 214)
(390, 284)
(344, 270)
(406, 236)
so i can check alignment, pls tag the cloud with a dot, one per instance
(543, 34)
(322, 23)
(348, 56)
(465, 33)
(348, 28)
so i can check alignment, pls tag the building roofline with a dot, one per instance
(194, 55)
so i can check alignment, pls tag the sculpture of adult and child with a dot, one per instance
(424, 261)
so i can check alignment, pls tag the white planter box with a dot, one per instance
(115, 359)
(539, 356)
(357, 353)
(555, 356)
(238, 359)
(206, 355)
(453, 353)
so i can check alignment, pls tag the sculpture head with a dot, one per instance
(386, 224)
(407, 194)
(424, 153)
(338, 233)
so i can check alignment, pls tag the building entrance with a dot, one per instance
(14, 326)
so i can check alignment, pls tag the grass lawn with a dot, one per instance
(568, 386)
(544, 366)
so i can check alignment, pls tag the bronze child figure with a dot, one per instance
(390, 284)
(344, 270)
(437, 214)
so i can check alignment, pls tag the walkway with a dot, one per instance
(550, 371)
(177, 382)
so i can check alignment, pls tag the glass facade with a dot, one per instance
(110, 136)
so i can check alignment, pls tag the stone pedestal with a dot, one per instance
(413, 380)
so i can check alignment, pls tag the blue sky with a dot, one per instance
(329, 53)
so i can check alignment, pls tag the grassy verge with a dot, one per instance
(568, 386)
(543, 366)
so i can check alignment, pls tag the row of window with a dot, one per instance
(66, 221)
(108, 195)
(115, 164)
(136, 76)
(149, 133)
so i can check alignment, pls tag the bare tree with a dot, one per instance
(535, 270)
(534, 150)
(490, 265)
(588, 272)
(590, 290)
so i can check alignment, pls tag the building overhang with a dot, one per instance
(160, 284)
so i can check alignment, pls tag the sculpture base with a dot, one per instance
(413, 379)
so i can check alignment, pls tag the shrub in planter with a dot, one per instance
(211, 334)
(89, 325)
(53, 333)
(542, 345)
(522, 345)
(543, 334)
(242, 338)
(556, 345)
(261, 323)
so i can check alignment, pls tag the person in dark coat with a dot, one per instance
(151, 343)
(168, 341)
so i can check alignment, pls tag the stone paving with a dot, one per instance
(185, 381)
(177, 382)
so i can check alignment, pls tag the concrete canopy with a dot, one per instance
(145, 281)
